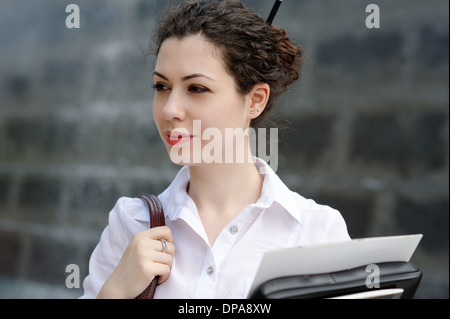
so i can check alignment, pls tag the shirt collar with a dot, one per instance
(172, 199)
(175, 197)
(275, 191)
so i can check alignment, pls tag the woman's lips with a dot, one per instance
(178, 137)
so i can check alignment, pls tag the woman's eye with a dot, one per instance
(197, 89)
(161, 87)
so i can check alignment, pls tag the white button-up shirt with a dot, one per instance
(279, 219)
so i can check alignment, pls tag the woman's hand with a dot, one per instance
(141, 262)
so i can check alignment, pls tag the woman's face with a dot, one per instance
(196, 101)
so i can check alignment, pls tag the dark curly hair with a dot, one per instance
(253, 51)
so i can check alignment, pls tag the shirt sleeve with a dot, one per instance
(321, 224)
(113, 242)
(337, 227)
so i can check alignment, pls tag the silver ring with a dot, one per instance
(164, 245)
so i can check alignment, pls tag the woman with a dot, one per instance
(222, 66)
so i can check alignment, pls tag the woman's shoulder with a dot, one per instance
(127, 207)
(320, 218)
(128, 215)
(311, 207)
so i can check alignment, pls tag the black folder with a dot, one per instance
(404, 276)
(374, 267)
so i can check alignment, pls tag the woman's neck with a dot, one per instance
(222, 191)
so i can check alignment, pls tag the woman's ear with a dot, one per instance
(257, 99)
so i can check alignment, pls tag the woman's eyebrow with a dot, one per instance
(186, 78)
(160, 75)
(196, 75)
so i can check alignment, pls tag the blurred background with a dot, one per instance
(369, 127)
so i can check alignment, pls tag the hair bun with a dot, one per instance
(288, 56)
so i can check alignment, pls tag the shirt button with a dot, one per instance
(210, 270)
(234, 230)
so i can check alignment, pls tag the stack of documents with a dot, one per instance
(337, 256)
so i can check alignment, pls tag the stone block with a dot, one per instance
(10, 253)
(48, 260)
(427, 139)
(39, 199)
(145, 10)
(305, 143)
(122, 140)
(397, 144)
(60, 80)
(433, 48)
(359, 55)
(90, 201)
(427, 215)
(4, 192)
(39, 139)
(16, 86)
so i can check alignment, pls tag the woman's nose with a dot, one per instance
(174, 108)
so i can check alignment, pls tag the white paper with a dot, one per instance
(393, 293)
(336, 256)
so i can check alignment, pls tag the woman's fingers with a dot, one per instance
(165, 251)
(142, 261)
(162, 232)
(161, 262)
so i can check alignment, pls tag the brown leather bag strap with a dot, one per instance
(155, 209)
(156, 220)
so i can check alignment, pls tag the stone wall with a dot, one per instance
(369, 127)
